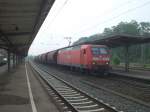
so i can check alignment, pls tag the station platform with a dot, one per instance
(3, 69)
(138, 74)
(20, 91)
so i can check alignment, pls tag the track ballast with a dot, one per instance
(72, 99)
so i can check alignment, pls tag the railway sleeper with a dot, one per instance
(71, 95)
(75, 97)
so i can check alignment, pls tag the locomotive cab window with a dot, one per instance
(98, 51)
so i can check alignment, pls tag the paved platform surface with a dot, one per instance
(3, 69)
(139, 74)
(14, 92)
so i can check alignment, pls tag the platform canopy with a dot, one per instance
(20, 21)
(120, 40)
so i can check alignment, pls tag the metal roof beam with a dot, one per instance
(18, 33)
(5, 38)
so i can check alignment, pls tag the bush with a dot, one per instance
(146, 65)
(116, 60)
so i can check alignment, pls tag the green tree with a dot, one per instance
(107, 32)
(145, 28)
(131, 28)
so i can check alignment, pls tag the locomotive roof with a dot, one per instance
(67, 47)
(80, 45)
(20, 21)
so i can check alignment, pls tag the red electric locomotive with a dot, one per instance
(89, 57)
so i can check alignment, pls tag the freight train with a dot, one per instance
(86, 57)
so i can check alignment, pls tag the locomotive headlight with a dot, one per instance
(94, 63)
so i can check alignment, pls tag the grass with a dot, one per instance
(147, 66)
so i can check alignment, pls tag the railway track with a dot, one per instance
(143, 88)
(134, 68)
(133, 82)
(117, 93)
(72, 99)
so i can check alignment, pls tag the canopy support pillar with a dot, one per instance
(8, 59)
(127, 58)
(14, 61)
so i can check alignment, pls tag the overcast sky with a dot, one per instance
(78, 18)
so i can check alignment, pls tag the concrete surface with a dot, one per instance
(42, 100)
(3, 69)
(14, 95)
(139, 74)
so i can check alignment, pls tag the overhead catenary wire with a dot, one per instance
(111, 19)
(59, 10)
(66, 1)
(119, 6)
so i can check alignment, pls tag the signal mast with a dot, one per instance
(69, 40)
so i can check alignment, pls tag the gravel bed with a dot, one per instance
(124, 88)
(114, 100)
(134, 88)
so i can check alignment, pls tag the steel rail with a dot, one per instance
(76, 100)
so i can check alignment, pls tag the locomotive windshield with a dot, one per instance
(99, 50)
